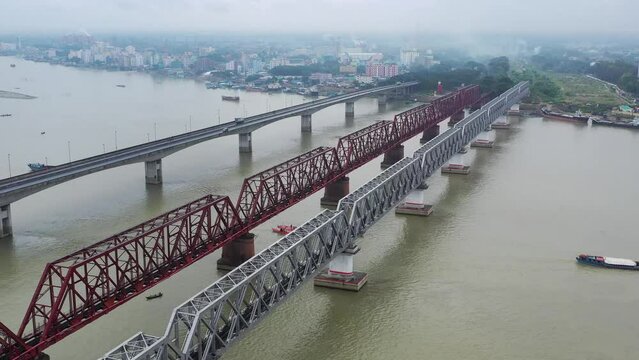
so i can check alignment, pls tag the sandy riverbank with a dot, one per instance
(14, 95)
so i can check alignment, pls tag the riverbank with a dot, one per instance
(15, 95)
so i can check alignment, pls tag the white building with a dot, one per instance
(408, 57)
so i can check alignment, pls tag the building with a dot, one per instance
(361, 58)
(320, 77)
(382, 70)
(407, 57)
(364, 79)
(347, 69)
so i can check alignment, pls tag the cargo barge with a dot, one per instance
(622, 124)
(607, 262)
(564, 117)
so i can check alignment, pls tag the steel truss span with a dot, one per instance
(79, 288)
(204, 326)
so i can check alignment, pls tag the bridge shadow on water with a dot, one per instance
(390, 272)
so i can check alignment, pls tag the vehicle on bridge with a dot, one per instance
(38, 166)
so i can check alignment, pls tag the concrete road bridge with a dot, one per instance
(17, 187)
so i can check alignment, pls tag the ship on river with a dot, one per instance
(607, 262)
(577, 117)
(230, 98)
(616, 123)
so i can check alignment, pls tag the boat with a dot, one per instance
(4, 115)
(38, 166)
(577, 117)
(230, 98)
(13, 65)
(210, 85)
(154, 296)
(607, 262)
(120, 85)
(283, 229)
(622, 124)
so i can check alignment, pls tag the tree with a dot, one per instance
(499, 66)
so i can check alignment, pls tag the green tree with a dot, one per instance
(499, 66)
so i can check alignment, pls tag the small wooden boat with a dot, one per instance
(154, 296)
(230, 98)
(283, 229)
(120, 85)
(4, 115)
(607, 262)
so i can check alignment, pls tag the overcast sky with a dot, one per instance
(463, 16)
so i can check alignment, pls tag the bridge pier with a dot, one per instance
(246, 143)
(340, 273)
(429, 134)
(484, 139)
(237, 252)
(456, 117)
(350, 109)
(392, 156)
(456, 165)
(414, 204)
(382, 99)
(307, 124)
(502, 123)
(334, 192)
(514, 110)
(6, 229)
(153, 172)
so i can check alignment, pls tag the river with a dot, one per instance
(490, 275)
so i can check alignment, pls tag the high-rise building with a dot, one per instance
(408, 57)
(382, 70)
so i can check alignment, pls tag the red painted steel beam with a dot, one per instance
(81, 287)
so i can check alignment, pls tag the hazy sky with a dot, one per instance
(502, 16)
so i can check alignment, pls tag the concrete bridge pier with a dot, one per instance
(429, 134)
(6, 229)
(340, 273)
(382, 99)
(456, 117)
(237, 252)
(484, 139)
(153, 171)
(414, 204)
(307, 125)
(350, 109)
(502, 123)
(392, 156)
(334, 192)
(246, 143)
(514, 110)
(456, 165)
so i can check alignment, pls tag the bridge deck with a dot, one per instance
(17, 187)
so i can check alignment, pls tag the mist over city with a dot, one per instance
(282, 179)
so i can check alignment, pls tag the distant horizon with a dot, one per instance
(457, 17)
